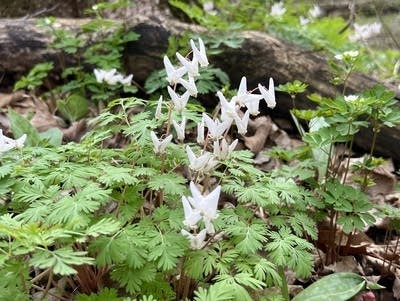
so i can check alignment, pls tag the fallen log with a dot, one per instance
(261, 56)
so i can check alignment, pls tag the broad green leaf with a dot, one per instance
(335, 287)
(20, 125)
(53, 136)
(74, 107)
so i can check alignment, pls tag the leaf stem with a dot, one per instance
(284, 285)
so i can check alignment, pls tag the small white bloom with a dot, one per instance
(158, 113)
(111, 77)
(223, 150)
(192, 216)
(216, 129)
(196, 240)
(304, 21)
(200, 132)
(206, 205)
(192, 66)
(228, 109)
(7, 143)
(200, 54)
(126, 81)
(160, 145)
(315, 12)
(366, 31)
(178, 101)
(269, 95)
(347, 55)
(180, 129)
(173, 74)
(351, 98)
(252, 103)
(189, 85)
(277, 9)
(203, 163)
(19, 143)
(242, 123)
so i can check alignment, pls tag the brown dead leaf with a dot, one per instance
(396, 287)
(43, 118)
(75, 132)
(261, 127)
(346, 264)
(9, 99)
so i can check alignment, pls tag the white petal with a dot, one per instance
(200, 132)
(189, 85)
(158, 109)
(192, 66)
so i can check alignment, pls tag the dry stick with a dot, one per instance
(394, 252)
(46, 291)
(50, 293)
(385, 27)
(386, 239)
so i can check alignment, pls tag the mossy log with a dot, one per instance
(261, 56)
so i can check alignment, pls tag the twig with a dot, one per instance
(42, 11)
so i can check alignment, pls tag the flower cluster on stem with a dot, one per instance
(211, 135)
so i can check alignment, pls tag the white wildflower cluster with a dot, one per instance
(366, 31)
(314, 13)
(7, 143)
(200, 207)
(277, 9)
(112, 77)
(175, 76)
(347, 56)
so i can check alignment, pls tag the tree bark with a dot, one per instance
(261, 56)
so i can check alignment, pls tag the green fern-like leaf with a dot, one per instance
(170, 183)
(106, 294)
(60, 260)
(215, 292)
(132, 279)
(249, 238)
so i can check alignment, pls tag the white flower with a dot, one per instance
(252, 103)
(347, 55)
(7, 143)
(126, 81)
(180, 129)
(178, 101)
(111, 77)
(196, 240)
(364, 32)
(216, 129)
(277, 9)
(200, 132)
(192, 66)
(224, 150)
(206, 205)
(269, 95)
(173, 74)
(160, 145)
(203, 163)
(242, 123)
(228, 109)
(200, 55)
(158, 113)
(351, 98)
(315, 12)
(304, 21)
(189, 85)
(244, 98)
(192, 216)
